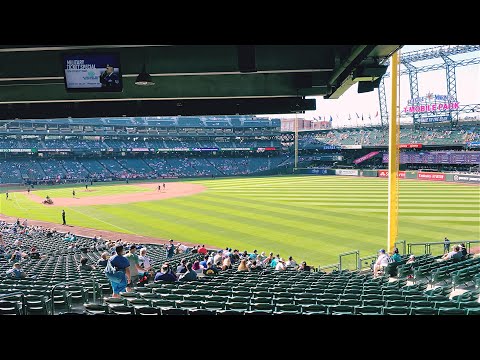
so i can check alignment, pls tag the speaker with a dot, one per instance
(365, 86)
(246, 58)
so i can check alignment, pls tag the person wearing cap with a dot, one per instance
(380, 263)
(411, 259)
(135, 267)
(109, 78)
(253, 256)
(304, 267)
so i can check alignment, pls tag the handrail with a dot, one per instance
(13, 294)
(360, 260)
(335, 266)
(70, 283)
(357, 255)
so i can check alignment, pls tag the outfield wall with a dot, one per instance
(415, 175)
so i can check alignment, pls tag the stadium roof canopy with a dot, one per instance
(189, 79)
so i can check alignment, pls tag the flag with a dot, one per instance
(362, 116)
(376, 114)
(358, 117)
(331, 119)
(349, 117)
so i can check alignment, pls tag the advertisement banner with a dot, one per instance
(54, 150)
(384, 174)
(431, 176)
(432, 119)
(410, 146)
(365, 157)
(313, 171)
(204, 149)
(346, 172)
(473, 144)
(438, 157)
(467, 178)
(18, 150)
(351, 146)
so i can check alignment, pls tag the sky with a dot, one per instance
(351, 102)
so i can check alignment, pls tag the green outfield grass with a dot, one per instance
(311, 218)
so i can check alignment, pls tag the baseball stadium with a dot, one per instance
(218, 194)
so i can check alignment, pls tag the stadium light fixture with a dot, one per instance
(144, 78)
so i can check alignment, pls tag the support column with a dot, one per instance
(393, 157)
(296, 142)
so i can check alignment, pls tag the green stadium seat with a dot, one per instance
(423, 311)
(451, 311)
(396, 310)
(146, 310)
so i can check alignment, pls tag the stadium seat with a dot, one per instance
(451, 311)
(396, 311)
(423, 311)
(95, 309)
(122, 310)
(146, 310)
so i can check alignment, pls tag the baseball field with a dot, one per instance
(310, 218)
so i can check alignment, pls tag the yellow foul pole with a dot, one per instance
(393, 157)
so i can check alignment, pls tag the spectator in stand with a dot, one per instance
(189, 275)
(165, 274)
(210, 270)
(16, 272)
(145, 261)
(253, 256)
(235, 256)
(304, 267)
(218, 257)
(135, 267)
(227, 263)
(203, 250)
(121, 277)
(203, 263)
(268, 259)
(102, 262)
(455, 255)
(34, 254)
(446, 245)
(196, 267)
(411, 259)
(381, 263)
(182, 268)
(463, 250)
(243, 266)
(280, 265)
(291, 263)
(84, 266)
(275, 261)
(170, 248)
(396, 256)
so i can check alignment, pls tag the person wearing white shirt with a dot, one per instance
(381, 263)
(280, 265)
(291, 263)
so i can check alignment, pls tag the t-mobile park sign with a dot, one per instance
(431, 103)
